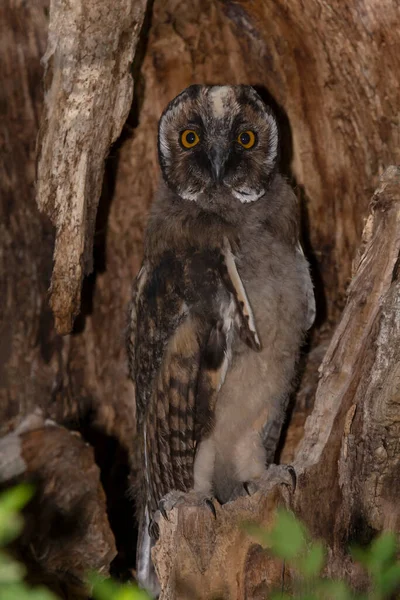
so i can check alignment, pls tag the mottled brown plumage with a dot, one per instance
(220, 305)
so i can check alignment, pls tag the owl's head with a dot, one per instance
(218, 139)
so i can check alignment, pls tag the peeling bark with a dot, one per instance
(88, 97)
(349, 457)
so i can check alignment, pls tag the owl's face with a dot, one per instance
(218, 139)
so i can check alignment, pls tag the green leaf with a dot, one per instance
(131, 593)
(10, 526)
(14, 499)
(10, 570)
(390, 580)
(11, 502)
(103, 589)
(361, 555)
(329, 589)
(287, 537)
(20, 591)
(383, 549)
(107, 589)
(312, 564)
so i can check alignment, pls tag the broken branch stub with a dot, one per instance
(348, 461)
(88, 94)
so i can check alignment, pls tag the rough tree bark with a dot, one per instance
(87, 100)
(331, 68)
(66, 529)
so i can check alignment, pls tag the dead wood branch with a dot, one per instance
(88, 96)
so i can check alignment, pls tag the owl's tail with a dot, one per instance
(145, 572)
(271, 434)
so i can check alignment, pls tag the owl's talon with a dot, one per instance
(162, 510)
(274, 475)
(246, 488)
(176, 498)
(209, 503)
(154, 530)
(293, 476)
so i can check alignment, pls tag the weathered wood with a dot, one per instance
(200, 557)
(88, 97)
(65, 376)
(348, 460)
(67, 533)
(30, 353)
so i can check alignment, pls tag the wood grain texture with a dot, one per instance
(39, 368)
(200, 557)
(66, 532)
(349, 456)
(29, 349)
(88, 96)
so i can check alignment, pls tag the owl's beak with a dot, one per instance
(217, 158)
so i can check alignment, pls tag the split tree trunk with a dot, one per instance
(331, 70)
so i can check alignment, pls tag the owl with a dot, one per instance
(219, 308)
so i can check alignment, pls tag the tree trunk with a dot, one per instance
(331, 73)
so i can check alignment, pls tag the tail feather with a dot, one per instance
(145, 571)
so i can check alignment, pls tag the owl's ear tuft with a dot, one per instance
(167, 119)
(273, 139)
(266, 113)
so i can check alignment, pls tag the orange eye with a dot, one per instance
(247, 139)
(189, 138)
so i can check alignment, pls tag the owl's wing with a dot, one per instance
(234, 283)
(187, 309)
(309, 293)
(137, 289)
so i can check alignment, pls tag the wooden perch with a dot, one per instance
(88, 96)
(66, 533)
(348, 460)
(199, 557)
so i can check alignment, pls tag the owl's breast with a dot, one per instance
(280, 292)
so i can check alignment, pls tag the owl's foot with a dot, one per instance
(177, 498)
(154, 529)
(274, 475)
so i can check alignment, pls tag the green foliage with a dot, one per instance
(289, 540)
(108, 588)
(12, 585)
